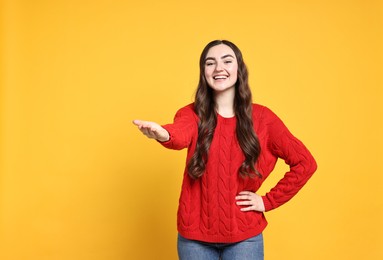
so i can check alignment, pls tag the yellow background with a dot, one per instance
(78, 181)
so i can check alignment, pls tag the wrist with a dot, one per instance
(164, 138)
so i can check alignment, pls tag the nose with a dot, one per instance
(218, 67)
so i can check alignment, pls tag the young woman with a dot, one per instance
(233, 145)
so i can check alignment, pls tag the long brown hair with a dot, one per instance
(205, 108)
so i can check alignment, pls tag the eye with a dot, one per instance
(209, 63)
(228, 61)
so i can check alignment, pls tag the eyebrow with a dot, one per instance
(223, 57)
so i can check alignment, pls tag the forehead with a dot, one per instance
(219, 51)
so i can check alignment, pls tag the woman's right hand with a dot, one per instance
(152, 130)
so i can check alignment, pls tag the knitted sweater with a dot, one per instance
(207, 208)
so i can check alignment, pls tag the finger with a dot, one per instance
(248, 208)
(145, 127)
(243, 197)
(153, 130)
(140, 123)
(245, 202)
(141, 126)
(145, 124)
(145, 131)
(246, 192)
(152, 133)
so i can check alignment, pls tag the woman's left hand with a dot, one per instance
(250, 199)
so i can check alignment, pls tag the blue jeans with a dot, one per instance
(251, 248)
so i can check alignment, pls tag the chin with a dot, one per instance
(222, 88)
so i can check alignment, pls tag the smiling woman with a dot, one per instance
(79, 181)
(233, 145)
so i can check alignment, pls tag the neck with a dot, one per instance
(225, 102)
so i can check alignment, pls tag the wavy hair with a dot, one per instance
(205, 108)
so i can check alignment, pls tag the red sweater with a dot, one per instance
(207, 207)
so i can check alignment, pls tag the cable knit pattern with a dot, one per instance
(207, 207)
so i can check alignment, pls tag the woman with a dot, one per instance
(233, 145)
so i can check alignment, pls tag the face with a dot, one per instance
(221, 68)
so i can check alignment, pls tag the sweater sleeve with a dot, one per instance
(284, 145)
(182, 130)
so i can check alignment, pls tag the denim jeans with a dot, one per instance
(251, 248)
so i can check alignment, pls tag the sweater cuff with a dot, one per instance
(267, 204)
(168, 143)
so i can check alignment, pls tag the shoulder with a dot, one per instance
(265, 120)
(187, 108)
(187, 111)
(261, 112)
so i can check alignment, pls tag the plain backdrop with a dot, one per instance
(78, 181)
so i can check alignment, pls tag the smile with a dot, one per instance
(220, 77)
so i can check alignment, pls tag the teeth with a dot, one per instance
(220, 77)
